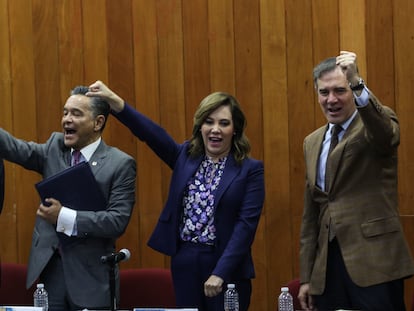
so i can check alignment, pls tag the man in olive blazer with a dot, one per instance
(352, 241)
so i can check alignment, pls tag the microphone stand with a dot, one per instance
(112, 260)
(112, 285)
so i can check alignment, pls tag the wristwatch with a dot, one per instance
(359, 86)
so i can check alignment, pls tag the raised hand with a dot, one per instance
(348, 63)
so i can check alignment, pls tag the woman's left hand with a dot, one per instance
(213, 286)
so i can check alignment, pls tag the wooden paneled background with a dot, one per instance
(164, 56)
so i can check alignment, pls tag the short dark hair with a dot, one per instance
(98, 105)
(324, 66)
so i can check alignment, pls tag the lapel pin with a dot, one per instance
(94, 163)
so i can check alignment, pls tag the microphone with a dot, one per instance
(122, 255)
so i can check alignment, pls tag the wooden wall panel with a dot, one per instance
(171, 75)
(23, 92)
(70, 32)
(163, 57)
(380, 37)
(325, 42)
(301, 115)
(95, 45)
(221, 45)
(171, 67)
(46, 64)
(404, 93)
(248, 72)
(351, 21)
(403, 32)
(150, 178)
(8, 242)
(121, 74)
(121, 66)
(196, 58)
(249, 93)
(277, 244)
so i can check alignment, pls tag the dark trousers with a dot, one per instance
(190, 268)
(54, 279)
(342, 293)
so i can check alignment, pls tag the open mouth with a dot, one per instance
(69, 132)
(334, 110)
(214, 141)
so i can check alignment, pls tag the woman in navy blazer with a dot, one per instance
(214, 203)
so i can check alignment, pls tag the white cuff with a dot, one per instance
(66, 221)
(362, 100)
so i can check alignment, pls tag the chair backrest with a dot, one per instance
(147, 287)
(294, 286)
(13, 290)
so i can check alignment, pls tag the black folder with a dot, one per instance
(75, 188)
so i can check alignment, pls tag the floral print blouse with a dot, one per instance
(198, 215)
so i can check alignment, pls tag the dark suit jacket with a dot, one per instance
(362, 202)
(88, 278)
(239, 199)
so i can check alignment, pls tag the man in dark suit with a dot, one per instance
(73, 273)
(353, 252)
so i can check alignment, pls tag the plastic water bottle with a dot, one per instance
(231, 298)
(285, 300)
(40, 297)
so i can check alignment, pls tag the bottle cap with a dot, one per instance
(40, 285)
(285, 289)
(231, 286)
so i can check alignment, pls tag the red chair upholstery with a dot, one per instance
(13, 290)
(294, 286)
(149, 287)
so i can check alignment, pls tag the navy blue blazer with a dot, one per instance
(238, 203)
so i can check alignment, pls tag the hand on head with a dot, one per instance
(100, 89)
